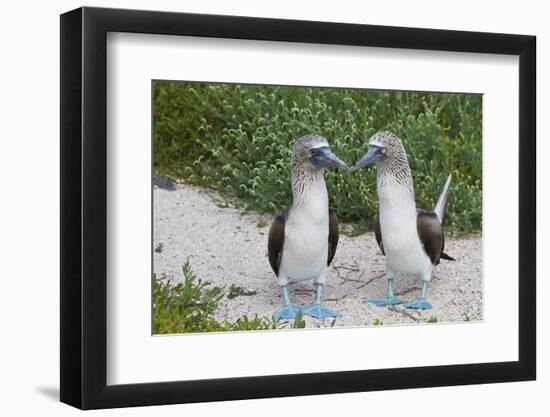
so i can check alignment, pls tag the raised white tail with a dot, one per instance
(441, 205)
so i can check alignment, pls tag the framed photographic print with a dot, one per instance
(257, 208)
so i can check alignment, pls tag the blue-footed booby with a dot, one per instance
(412, 239)
(304, 236)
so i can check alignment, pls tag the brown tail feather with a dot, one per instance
(447, 257)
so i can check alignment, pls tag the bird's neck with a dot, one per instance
(394, 177)
(309, 190)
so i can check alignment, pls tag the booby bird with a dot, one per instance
(412, 239)
(304, 236)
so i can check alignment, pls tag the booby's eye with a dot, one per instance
(383, 150)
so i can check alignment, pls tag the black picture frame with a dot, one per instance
(84, 207)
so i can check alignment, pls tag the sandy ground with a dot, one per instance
(228, 247)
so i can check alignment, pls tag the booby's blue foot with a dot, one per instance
(388, 301)
(419, 303)
(288, 311)
(319, 311)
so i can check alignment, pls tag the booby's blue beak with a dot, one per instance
(323, 157)
(374, 154)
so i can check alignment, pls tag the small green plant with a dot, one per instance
(377, 322)
(189, 306)
(184, 307)
(236, 291)
(159, 247)
(256, 323)
(432, 319)
(299, 322)
(261, 223)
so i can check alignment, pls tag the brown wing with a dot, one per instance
(430, 233)
(378, 232)
(276, 239)
(333, 235)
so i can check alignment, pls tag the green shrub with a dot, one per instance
(238, 139)
(189, 306)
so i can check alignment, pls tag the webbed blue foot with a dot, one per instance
(288, 311)
(319, 311)
(388, 301)
(419, 303)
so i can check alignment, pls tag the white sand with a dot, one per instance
(228, 247)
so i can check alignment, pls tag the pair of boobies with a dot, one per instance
(303, 238)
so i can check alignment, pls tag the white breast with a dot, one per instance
(305, 247)
(404, 252)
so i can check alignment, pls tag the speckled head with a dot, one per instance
(384, 147)
(312, 152)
